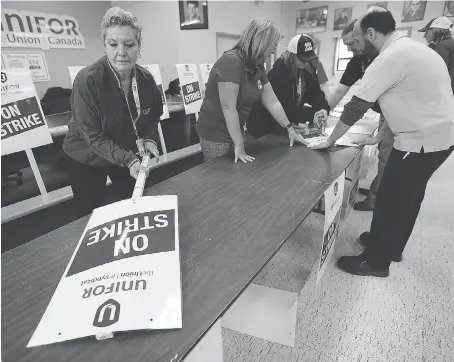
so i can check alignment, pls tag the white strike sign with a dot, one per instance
(124, 274)
(23, 123)
(73, 72)
(189, 82)
(205, 70)
(334, 196)
(27, 29)
(156, 73)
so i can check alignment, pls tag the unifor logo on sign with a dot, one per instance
(107, 314)
(4, 77)
(40, 30)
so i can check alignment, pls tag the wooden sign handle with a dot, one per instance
(141, 178)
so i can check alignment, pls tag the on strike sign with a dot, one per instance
(189, 82)
(156, 73)
(124, 274)
(334, 196)
(23, 123)
(205, 70)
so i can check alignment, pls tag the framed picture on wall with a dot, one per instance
(383, 5)
(311, 20)
(193, 15)
(342, 17)
(406, 31)
(413, 10)
(449, 9)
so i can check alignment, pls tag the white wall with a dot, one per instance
(327, 45)
(89, 15)
(164, 43)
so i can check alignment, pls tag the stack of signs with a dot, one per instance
(189, 82)
(156, 73)
(205, 70)
(73, 72)
(23, 123)
(333, 206)
(355, 171)
(124, 274)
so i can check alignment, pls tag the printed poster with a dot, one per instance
(35, 62)
(205, 70)
(30, 29)
(73, 72)
(156, 73)
(23, 123)
(333, 207)
(189, 82)
(124, 274)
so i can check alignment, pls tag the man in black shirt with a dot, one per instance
(354, 72)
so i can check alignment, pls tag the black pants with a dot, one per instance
(89, 184)
(398, 202)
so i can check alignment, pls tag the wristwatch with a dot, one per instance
(290, 125)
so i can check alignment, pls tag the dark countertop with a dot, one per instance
(233, 218)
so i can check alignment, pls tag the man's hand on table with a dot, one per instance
(369, 141)
(323, 145)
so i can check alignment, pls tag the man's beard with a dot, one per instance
(369, 49)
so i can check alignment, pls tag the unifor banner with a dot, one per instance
(124, 274)
(205, 70)
(156, 73)
(333, 206)
(23, 123)
(28, 29)
(190, 86)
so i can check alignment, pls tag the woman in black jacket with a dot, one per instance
(295, 82)
(115, 106)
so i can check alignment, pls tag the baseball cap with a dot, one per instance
(441, 22)
(303, 46)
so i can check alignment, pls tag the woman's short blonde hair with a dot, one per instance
(117, 16)
(259, 37)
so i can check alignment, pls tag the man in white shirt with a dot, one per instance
(353, 73)
(412, 86)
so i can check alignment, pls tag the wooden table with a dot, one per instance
(233, 219)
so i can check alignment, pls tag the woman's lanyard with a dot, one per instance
(135, 93)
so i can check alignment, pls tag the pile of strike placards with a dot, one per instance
(124, 274)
